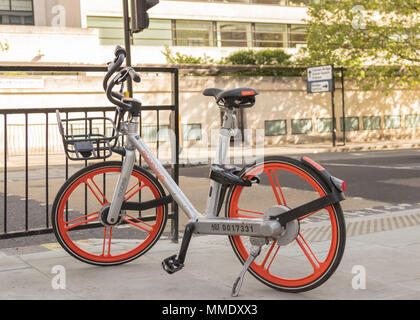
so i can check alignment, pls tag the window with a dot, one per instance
(17, 12)
(291, 3)
(297, 36)
(270, 35)
(324, 125)
(352, 124)
(191, 132)
(201, 33)
(194, 33)
(412, 121)
(392, 122)
(150, 133)
(159, 33)
(275, 127)
(232, 34)
(301, 126)
(371, 123)
(111, 31)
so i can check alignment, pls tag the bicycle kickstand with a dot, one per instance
(257, 244)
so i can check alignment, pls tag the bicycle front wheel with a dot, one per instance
(77, 215)
(311, 252)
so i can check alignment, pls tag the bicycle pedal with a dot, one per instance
(172, 265)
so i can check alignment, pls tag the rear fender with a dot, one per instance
(332, 182)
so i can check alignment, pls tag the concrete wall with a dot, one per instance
(279, 99)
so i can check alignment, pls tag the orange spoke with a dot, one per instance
(281, 192)
(94, 193)
(82, 217)
(103, 244)
(311, 260)
(103, 196)
(249, 211)
(137, 225)
(134, 192)
(140, 221)
(274, 255)
(82, 222)
(273, 186)
(109, 242)
(268, 254)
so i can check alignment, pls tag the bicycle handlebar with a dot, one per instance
(116, 98)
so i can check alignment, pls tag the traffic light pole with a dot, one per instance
(127, 44)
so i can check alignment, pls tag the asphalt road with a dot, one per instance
(384, 176)
(391, 177)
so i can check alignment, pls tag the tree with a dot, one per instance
(377, 41)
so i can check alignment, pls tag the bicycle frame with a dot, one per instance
(204, 224)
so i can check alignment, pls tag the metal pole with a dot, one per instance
(334, 129)
(127, 43)
(344, 110)
(175, 102)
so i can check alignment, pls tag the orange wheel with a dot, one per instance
(77, 215)
(311, 252)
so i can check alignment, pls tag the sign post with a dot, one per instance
(321, 79)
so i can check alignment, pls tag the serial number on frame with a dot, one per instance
(225, 227)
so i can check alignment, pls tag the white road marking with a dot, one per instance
(416, 167)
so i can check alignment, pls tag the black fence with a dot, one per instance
(25, 228)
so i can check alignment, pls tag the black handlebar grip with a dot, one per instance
(134, 75)
(120, 50)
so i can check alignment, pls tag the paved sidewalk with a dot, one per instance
(390, 258)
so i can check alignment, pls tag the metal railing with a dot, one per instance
(25, 228)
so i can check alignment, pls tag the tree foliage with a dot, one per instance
(178, 58)
(377, 41)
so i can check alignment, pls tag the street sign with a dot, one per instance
(320, 79)
(322, 86)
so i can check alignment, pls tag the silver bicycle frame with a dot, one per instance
(204, 224)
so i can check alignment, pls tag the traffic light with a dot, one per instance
(139, 15)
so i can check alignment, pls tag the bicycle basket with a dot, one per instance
(86, 138)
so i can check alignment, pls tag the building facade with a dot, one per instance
(86, 32)
(215, 28)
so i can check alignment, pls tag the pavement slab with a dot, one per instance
(390, 260)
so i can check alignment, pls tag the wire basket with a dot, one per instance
(86, 138)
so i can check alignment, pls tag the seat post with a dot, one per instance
(221, 157)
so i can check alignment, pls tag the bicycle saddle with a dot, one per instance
(235, 98)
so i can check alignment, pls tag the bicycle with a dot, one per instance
(301, 215)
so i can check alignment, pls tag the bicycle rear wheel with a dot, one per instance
(316, 245)
(77, 218)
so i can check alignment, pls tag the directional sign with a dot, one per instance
(320, 79)
(320, 73)
(321, 86)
